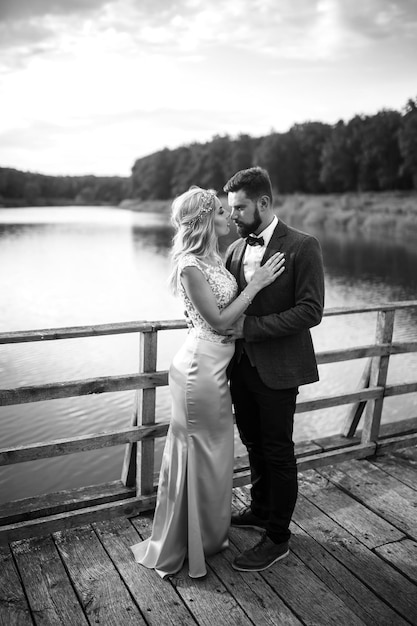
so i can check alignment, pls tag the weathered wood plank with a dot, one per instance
(402, 555)
(389, 444)
(152, 326)
(72, 519)
(388, 306)
(333, 442)
(336, 456)
(94, 441)
(401, 347)
(386, 582)
(62, 501)
(85, 387)
(401, 389)
(107, 384)
(326, 402)
(404, 427)
(96, 330)
(81, 443)
(358, 352)
(368, 527)
(49, 591)
(210, 601)
(379, 491)
(354, 593)
(355, 412)
(206, 598)
(242, 476)
(305, 448)
(157, 599)
(100, 590)
(126, 382)
(370, 350)
(378, 377)
(14, 609)
(401, 464)
(145, 415)
(302, 448)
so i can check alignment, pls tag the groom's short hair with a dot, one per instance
(255, 182)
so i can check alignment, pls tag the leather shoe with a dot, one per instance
(261, 556)
(246, 519)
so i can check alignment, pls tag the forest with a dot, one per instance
(367, 153)
(19, 188)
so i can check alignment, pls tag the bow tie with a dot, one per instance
(255, 241)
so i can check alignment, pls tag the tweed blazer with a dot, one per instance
(276, 328)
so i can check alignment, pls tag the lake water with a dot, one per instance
(74, 266)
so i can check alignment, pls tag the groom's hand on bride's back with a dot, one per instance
(238, 328)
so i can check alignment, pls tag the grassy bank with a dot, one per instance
(393, 212)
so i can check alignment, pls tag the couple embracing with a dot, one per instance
(249, 322)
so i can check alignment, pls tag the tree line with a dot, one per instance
(367, 153)
(19, 188)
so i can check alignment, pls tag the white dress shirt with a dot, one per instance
(253, 254)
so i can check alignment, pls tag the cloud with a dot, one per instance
(51, 26)
(373, 19)
(17, 35)
(18, 10)
(308, 30)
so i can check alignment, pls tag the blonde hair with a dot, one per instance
(193, 219)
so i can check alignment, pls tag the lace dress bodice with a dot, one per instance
(224, 287)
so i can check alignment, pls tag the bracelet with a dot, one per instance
(245, 295)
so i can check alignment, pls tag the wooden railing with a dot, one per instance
(136, 490)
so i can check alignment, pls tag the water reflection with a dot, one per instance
(380, 261)
(158, 238)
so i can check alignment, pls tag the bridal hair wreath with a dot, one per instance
(206, 205)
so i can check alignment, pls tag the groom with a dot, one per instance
(273, 357)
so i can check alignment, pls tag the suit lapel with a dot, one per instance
(275, 242)
(236, 265)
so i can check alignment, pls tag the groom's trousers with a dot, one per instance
(265, 419)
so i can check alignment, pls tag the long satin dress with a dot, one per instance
(193, 507)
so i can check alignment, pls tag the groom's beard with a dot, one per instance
(246, 229)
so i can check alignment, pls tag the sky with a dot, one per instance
(89, 86)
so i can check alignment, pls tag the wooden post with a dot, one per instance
(355, 412)
(378, 377)
(138, 466)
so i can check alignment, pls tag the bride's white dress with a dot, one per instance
(193, 507)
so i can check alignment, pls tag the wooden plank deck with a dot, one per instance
(353, 561)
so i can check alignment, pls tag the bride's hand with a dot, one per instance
(267, 273)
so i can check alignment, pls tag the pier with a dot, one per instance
(65, 556)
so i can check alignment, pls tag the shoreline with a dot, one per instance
(395, 211)
(391, 211)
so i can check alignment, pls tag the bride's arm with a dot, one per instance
(202, 297)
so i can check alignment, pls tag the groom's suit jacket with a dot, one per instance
(276, 328)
